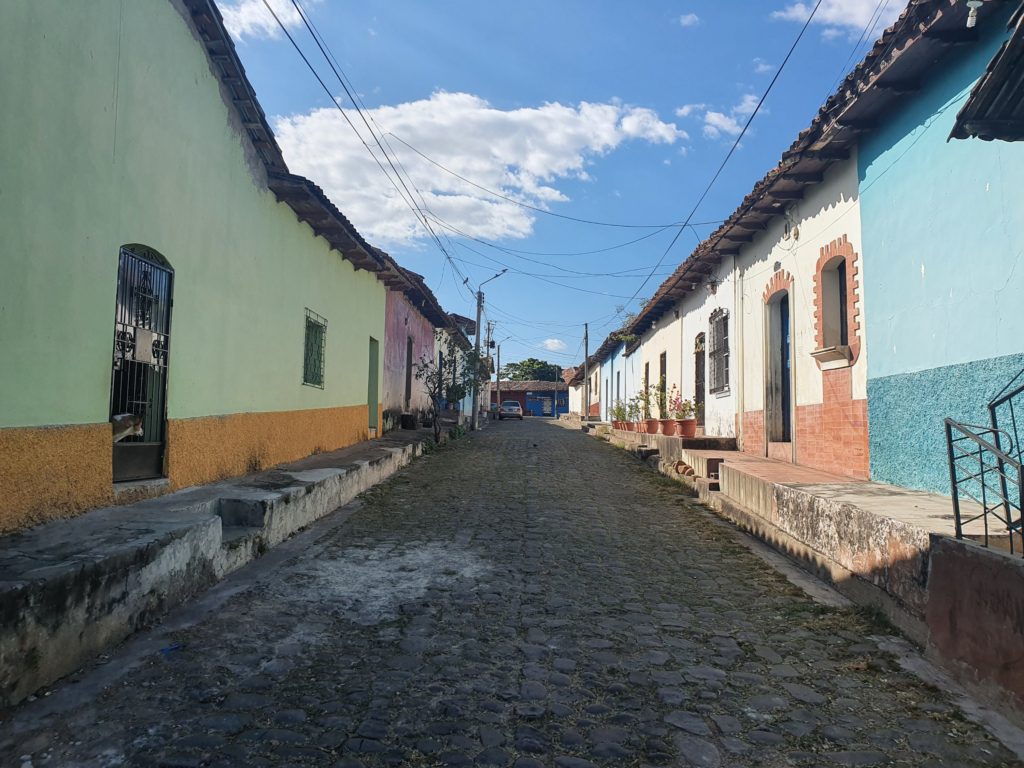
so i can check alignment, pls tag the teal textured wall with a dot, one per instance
(943, 275)
(905, 415)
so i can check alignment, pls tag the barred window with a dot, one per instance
(718, 351)
(313, 357)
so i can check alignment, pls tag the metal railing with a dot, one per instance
(983, 468)
(1006, 403)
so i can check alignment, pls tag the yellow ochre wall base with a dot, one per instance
(55, 472)
(207, 448)
(52, 472)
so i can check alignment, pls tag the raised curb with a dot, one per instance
(71, 589)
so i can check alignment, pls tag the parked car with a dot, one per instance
(510, 409)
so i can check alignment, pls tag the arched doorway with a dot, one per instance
(138, 382)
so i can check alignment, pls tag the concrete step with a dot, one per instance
(71, 589)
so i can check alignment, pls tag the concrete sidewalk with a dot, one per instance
(71, 589)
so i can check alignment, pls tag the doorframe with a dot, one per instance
(781, 283)
(157, 260)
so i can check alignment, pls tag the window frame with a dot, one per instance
(313, 360)
(717, 342)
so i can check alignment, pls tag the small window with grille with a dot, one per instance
(315, 343)
(718, 351)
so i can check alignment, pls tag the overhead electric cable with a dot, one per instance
(527, 205)
(730, 153)
(408, 201)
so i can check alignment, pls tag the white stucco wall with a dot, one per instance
(828, 211)
(695, 310)
(675, 334)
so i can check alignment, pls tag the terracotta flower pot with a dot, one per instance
(651, 426)
(629, 426)
(668, 427)
(686, 427)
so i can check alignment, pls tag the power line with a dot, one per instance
(731, 151)
(408, 201)
(438, 220)
(527, 205)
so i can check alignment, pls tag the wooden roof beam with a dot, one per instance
(827, 153)
(753, 226)
(956, 36)
(746, 237)
(805, 178)
(899, 87)
(795, 194)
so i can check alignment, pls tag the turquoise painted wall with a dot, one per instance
(122, 135)
(943, 276)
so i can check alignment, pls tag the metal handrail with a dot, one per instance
(1008, 469)
(1006, 397)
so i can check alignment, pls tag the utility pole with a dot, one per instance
(586, 372)
(474, 422)
(487, 354)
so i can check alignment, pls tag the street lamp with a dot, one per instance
(475, 421)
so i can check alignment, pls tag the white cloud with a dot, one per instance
(717, 123)
(553, 345)
(688, 109)
(250, 18)
(522, 153)
(747, 105)
(762, 67)
(689, 20)
(843, 17)
(730, 123)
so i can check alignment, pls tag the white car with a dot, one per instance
(510, 409)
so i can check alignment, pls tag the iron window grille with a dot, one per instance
(718, 351)
(315, 343)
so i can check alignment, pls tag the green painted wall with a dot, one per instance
(116, 132)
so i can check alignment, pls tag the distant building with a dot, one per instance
(537, 398)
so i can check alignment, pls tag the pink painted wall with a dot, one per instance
(401, 321)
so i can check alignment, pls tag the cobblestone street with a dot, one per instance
(528, 596)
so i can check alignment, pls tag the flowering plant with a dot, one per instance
(678, 407)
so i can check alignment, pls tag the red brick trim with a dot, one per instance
(840, 247)
(780, 281)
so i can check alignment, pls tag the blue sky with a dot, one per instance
(586, 109)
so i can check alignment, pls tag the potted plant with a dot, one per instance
(618, 414)
(684, 414)
(666, 423)
(650, 422)
(632, 414)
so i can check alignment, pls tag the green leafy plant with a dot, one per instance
(633, 408)
(619, 411)
(661, 396)
(448, 378)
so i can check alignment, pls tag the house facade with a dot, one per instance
(943, 287)
(413, 321)
(164, 272)
(802, 376)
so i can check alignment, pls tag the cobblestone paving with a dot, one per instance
(527, 597)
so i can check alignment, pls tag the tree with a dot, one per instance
(447, 379)
(531, 369)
